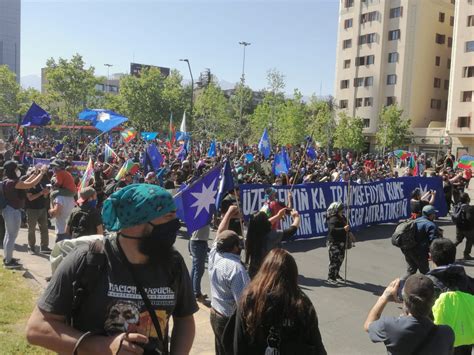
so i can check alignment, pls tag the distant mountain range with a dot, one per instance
(31, 81)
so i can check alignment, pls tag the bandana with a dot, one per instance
(136, 204)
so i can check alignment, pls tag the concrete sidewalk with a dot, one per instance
(37, 268)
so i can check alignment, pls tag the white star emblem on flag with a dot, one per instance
(103, 116)
(205, 199)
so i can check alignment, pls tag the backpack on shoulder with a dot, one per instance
(459, 215)
(404, 235)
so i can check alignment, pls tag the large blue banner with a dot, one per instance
(370, 204)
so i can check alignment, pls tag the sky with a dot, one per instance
(297, 38)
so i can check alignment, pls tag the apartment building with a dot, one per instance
(460, 125)
(396, 52)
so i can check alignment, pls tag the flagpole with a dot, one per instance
(87, 146)
(347, 233)
(301, 161)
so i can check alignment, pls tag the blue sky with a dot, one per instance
(298, 38)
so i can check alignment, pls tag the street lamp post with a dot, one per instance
(192, 94)
(242, 84)
(108, 75)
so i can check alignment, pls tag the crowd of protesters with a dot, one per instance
(256, 306)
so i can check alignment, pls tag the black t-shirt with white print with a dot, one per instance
(115, 305)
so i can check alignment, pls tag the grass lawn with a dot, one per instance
(17, 300)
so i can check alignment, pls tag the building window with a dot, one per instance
(349, 3)
(441, 17)
(369, 17)
(470, 21)
(396, 12)
(368, 101)
(437, 61)
(343, 103)
(358, 102)
(344, 84)
(464, 121)
(468, 72)
(391, 100)
(393, 35)
(449, 63)
(466, 96)
(368, 38)
(470, 46)
(347, 63)
(440, 39)
(446, 84)
(347, 43)
(393, 57)
(437, 82)
(100, 87)
(366, 122)
(450, 42)
(435, 104)
(451, 21)
(370, 59)
(358, 82)
(369, 81)
(391, 79)
(348, 23)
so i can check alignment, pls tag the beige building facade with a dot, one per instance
(396, 52)
(460, 125)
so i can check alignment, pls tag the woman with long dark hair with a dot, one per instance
(261, 238)
(274, 314)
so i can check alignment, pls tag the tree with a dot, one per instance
(211, 115)
(321, 120)
(149, 99)
(241, 107)
(348, 133)
(70, 85)
(10, 94)
(292, 120)
(393, 130)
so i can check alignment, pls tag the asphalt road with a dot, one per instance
(342, 310)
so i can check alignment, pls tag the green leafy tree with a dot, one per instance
(348, 133)
(211, 114)
(393, 130)
(292, 120)
(149, 99)
(70, 85)
(321, 120)
(10, 94)
(241, 106)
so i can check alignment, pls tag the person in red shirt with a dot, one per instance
(467, 176)
(272, 206)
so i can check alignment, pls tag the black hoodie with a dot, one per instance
(451, 278)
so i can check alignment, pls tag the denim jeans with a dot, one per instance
(12, 219)
(199, 253)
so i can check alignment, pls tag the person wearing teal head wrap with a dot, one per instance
(139, 259)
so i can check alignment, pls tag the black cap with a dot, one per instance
(419, 285)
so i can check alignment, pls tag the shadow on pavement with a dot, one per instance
(23, 248)
(313, 282)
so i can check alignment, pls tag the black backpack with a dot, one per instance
(459, 215)
(404, 235)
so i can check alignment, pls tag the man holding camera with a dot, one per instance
(413, 332)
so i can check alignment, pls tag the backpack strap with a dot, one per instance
(88, 275)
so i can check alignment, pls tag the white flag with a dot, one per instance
(182, 128)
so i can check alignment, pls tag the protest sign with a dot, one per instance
(370, 204)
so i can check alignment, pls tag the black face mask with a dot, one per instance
(159, 242)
